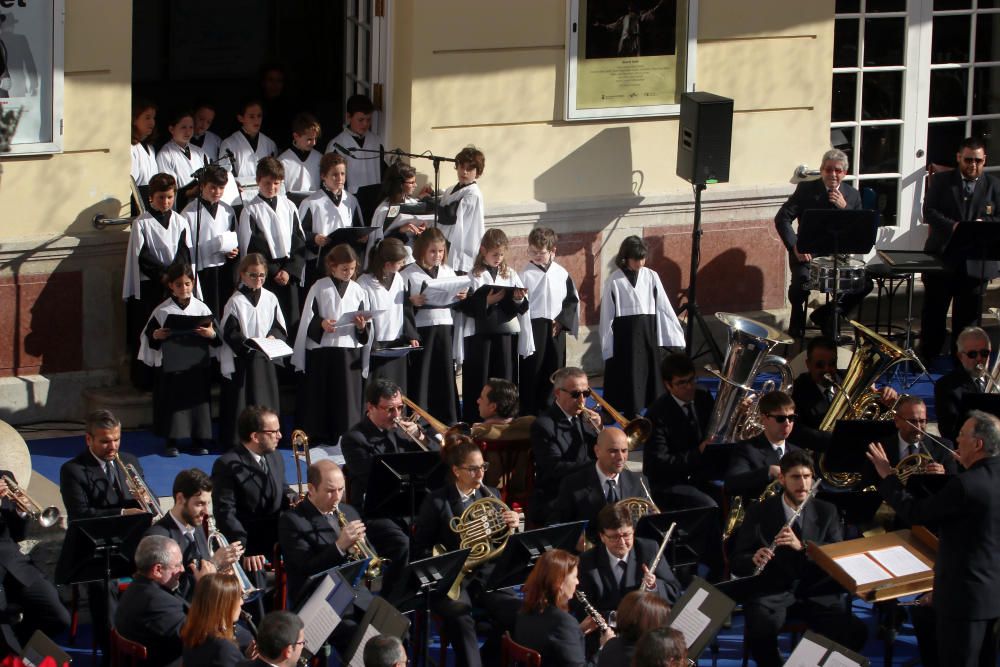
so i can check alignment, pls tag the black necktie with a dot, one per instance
(692, 419)
(360, 140)
(187, 152)
(336, 199)
(263, 464)
(576, 429)
(109, 472)
(622, 571)
(612, 494)
(779, 451)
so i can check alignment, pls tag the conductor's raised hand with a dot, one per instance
(495, 296)
(254, 563)
(162, 333)
(350, 535)
(876, 454)
(281, 277)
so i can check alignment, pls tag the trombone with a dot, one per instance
(638, 430)
(300, 453)
(47, 517)
(439, 426)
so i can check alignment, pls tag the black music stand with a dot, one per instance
(423, 578)
(824, 231)
(523, 549)
(101, 549)
(702, 598)
(403, 478)
(689, 538)
(848, 451)
(989, 403)
(977, 243)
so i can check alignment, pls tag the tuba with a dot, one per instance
(482, 529)
(873, 357)
(750, 345)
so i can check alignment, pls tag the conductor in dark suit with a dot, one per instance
(562, 439)
(280, 638)
(151, 611)
(790, 582)
(966, 193)
(755, 463)
(620, 564)
(966, 596)
(969, 377)
(585, 492)
(827, 193)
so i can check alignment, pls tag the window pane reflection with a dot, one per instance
(987, 28)
(940, 5)
(886, 197)
(881, 95)
(950, 39)
(884, 41)
(947, 95)
(988, 131)
(880, 149)
(845, 95)
(986, 90)
(843, 138)
(848, 6)
(942, 142)
(845, 42)
(885, 6)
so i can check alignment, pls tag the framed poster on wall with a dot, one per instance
(628, 58)
(31, 73)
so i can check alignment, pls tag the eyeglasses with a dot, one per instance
(256, 275)
(577, 393)
(916, 422)
(620, 537)
(781, 419)
(972, 354)
(301, 643)
(681, 382)
(475, 469)
(391, 408)
(832, 170)
(973, 160)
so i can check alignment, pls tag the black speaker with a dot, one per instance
(705, 138)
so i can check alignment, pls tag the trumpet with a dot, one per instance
(137, 487)
(216, 541)
(363, 549)
(638, 430)
(47, 517)
(300, 452)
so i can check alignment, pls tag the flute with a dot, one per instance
(602, 625)
(795, 515)
(663, 545)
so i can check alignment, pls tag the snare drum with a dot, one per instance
(848, 277)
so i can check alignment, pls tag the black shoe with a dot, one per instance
(171, 451)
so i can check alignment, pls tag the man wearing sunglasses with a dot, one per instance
(562, 439)
(966, 193)
(968, 378)
(829, 192)
(755, 463)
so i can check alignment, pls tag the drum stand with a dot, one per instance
(691, 306)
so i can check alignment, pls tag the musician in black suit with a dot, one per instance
(790, 582)
(827, 193)
(910, 420)
(93, 484)
(970, 377)
(562, 439)
(280, 638)
(151, 611)
(183, 523)
(433, 527)
(755, 463)
(585, 492)
(966, 596)
(620, 564)
(21, 582)
(966, 193)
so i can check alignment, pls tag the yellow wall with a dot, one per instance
(493, 74)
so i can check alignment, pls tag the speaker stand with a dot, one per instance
(694, 317)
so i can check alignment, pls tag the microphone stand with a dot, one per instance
(399, 153)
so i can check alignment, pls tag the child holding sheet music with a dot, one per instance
(212, 228)
(397, 190)
(555, 310)
(324, 212)
(433, 318)
(269, 225)
(495, 325)
(180, 159)
(394, 327)
(249, 376)
(177, 343)
(332, 349)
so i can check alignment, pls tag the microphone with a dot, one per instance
(343, 149)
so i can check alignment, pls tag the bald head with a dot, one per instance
(326, 485)
(611, 449)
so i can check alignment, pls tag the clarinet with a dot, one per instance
(593, 613)
(796, 515)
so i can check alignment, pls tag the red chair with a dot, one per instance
(513, 654)
(280, 579)
(126, 653)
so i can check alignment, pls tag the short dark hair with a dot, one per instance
(820, 343)
(796, 458)
(676, 364)
(542, 237)
(191, 482)
(162, 183)
(774, 400)
(251, 420)
(660, 647)
(359, 104)
(305, 121)
(972, 143)
(278, 630)
(613, 517)
(101, 420)
(329, 161)
(270, 167)
(504, 394)
(383, 651)
(246, 104)
(632, 247)
(380, 388)
(213, 175)
(474, 156)
(179, 270)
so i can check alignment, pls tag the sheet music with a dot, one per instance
(899, 561)
(347, 319)
(359, 655)
(395, 352)
(691, 621)
(807, 654)
(274, 348)
(318, 616)
(862, 569)
(404, 219)
(839, 660)
(228, 242)
(443, 291)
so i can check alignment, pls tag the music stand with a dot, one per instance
(422, 578)
(824, 231)
(404, 479)
(100, 549)
(849, 449)
(351, 573)
(523, 549)
(989, 403)
(976, 243)
(689, 537)
(700, 614)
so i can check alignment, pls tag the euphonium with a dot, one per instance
(638, 430)
(483, 530)
(363, 549)
(137, 487)
(750, 345)
(216, 541)
(46, 517)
